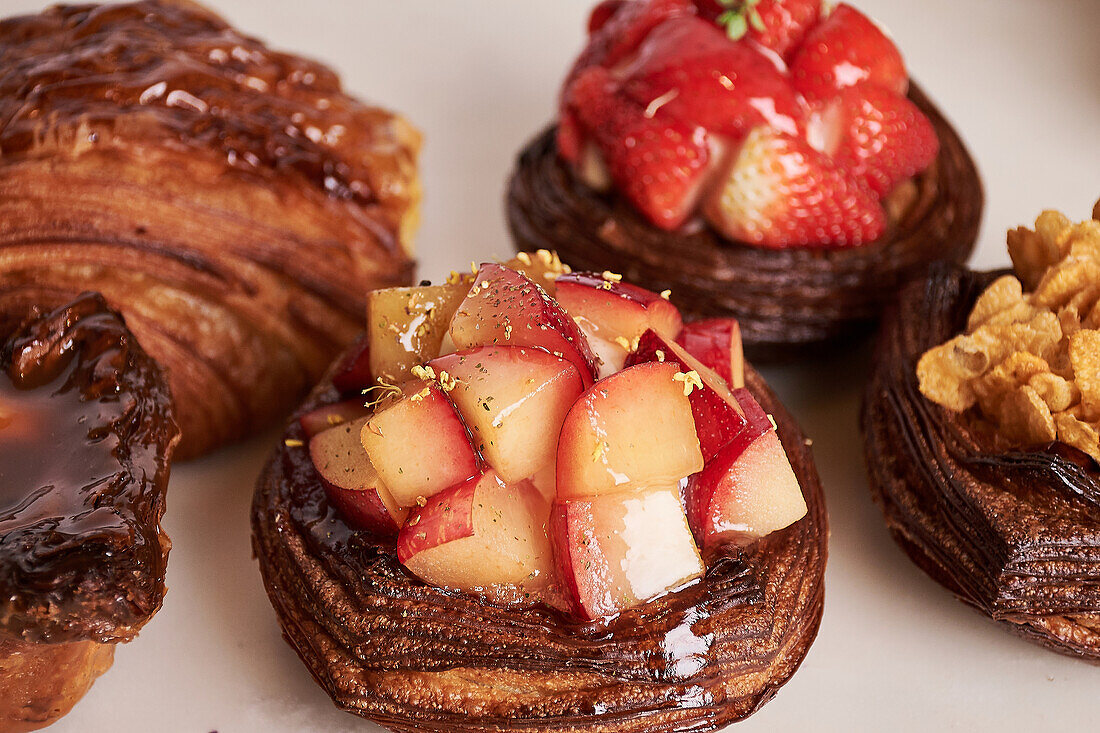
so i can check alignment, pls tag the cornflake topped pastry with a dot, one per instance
(1029, 360)
(985, 457)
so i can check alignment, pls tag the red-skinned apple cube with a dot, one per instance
(749, 489)
(631, 430)
(329, 416)
(504, 308)
(514, 400)
(616, 309)
(618, 550)
(419, 444)
(545, 480)
(739, 499)
(481, 535)
(611, 355)
(541, 266)
(352, 375)
(716, 342)
(351, 482)
(406, 326)
(717, 413)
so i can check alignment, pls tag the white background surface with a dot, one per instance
(1021, 80)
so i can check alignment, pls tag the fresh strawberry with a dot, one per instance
(624, 31)
(880, 137)
(777, 24)
(603, 13)
(688, 69)
(843, 50)
(780, 192)
(569, 136)
(658, 164)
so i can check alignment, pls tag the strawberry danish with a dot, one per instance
(763, 159)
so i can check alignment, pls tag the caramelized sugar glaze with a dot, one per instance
(414, 657)
(86, 437)
(231, 201)
(789, 302)
(1013, 533)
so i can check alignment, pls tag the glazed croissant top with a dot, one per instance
(232, 202)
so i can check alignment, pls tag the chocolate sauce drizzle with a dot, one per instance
(86, 434)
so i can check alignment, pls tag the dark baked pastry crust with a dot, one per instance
(231, 201)
(1014, 534)
(413, 657)
(790, 301)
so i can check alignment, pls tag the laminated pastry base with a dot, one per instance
(479, 77)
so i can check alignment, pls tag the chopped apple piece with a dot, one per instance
(631, 430)
(351, 482)
(716, 411)
(545, 480)
(352, 375)
(419, 444)
(407, 326)
(505, 308)
(716, 342)
(541, 266)
(514, 400)
(749, 489)
(611, 355)
(618, 311)
(619, 550)
(329, 416)
(482, 535)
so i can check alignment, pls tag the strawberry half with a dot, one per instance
(777, 24)
(843, 50)
(660, 165)
(780, 192)
(619, 34)
(688, 69)
(880, 137)
(602, 13)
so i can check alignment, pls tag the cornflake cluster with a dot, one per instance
(1030, 361)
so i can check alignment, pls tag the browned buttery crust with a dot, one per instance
(231, 201)
(1014, 534)
(413, 657)
(82, 562)
(788, 301)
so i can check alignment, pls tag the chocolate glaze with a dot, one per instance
(231, 201)
(413, 657)
(1013, 533)
(789, 302)
(85, 442)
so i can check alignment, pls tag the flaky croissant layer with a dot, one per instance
(232, 202)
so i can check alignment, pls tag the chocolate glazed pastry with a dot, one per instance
(231, 201)
(1014, 534)
(86, 437)
(414, 657)
(788, 301)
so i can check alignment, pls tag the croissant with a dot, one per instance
(234, 206)
(86, 437)
(230, 201)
